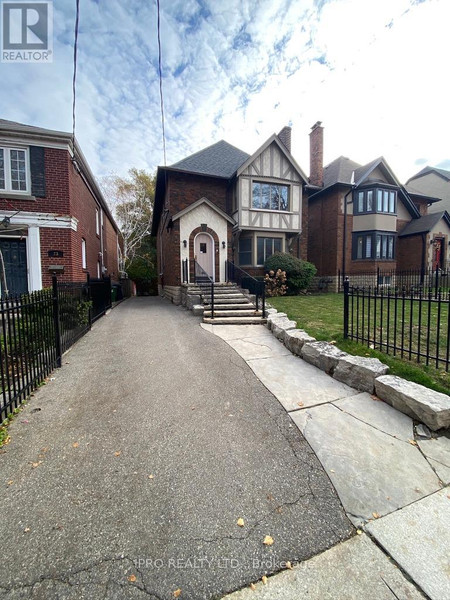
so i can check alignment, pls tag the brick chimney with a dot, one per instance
(316, 154)
(285, 137)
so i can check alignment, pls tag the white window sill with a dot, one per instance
(16, 196)
(276, 212)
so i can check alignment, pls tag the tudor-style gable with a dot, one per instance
(268, 192)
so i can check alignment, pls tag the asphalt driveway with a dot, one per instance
(127, 473)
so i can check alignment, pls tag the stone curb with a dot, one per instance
(365, 374)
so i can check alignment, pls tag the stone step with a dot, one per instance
(235, 320)
(242, 306)
(224, 296)
(233, 313)
(242, 300)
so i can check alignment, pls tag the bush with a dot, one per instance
(299, 272)
(275, 283)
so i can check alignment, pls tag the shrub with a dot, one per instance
(299, 273)
(275, 283)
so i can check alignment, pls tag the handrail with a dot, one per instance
(244, 280)
(205, 283)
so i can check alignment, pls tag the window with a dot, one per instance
(97, 222)
(375, 201)
(266, 247)
(14, 170)
(372, 245)
(245, 251)
(83, 254)
(270, 196)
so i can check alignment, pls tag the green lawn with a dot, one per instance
(322, 315)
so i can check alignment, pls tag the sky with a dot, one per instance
(373, 71)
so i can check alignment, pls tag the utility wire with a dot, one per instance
(74, 81)
(160, 84)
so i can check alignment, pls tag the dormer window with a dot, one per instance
(375, 200)
(270, 196)
(14, 170)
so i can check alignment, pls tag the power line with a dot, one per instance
(160, 85)
(74, 81)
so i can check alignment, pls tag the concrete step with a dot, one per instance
(235, 320)
(226, 296)
(241, 306)
(227, 301)
(233, 313)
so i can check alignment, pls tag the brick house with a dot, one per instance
(361, 217)
(52, 212)
(222, 204)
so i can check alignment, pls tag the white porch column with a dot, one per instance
(34, 259)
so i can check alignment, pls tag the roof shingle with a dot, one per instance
(219, 160)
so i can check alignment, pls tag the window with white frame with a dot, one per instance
(266, 246)
(14, 170)
(83, 254)
(270, 196)
(97, 221)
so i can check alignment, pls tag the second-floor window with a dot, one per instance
(14, 170)
(375, 200)
(270, 196)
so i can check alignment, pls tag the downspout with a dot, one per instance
(344, 244)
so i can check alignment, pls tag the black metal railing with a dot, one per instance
(411, 279)
(100, 296)
(185, 270)
(36, 329)
(413, 324)
(244, 280)
(206, 283)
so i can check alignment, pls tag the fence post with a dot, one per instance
(88, 282)
(436, 282)
(346, 294)
(56, 320)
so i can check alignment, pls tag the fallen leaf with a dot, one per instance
(288, 565)
(264, 579)
(118, 453)
(253, 586)
(413, 442)
(268, 540)
(359, 531)
(75, 445)
(44, 449)
(332, 471)
(177, 593)
(36, 464)
(300, 404)
(27, 530)
(151, 476)
(10, 482)
(132, 578)
(240, 522)
(376, 515)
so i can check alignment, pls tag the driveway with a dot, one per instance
(127, 473)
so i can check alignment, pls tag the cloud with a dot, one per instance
(373, 72)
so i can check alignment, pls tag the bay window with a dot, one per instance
(376, 200)
(373, 245)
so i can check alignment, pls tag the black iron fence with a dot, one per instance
(411, 323)
(37, 328)
(244, 280)
(410, 279)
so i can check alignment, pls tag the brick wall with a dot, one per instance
(324, 234)
(185, 189)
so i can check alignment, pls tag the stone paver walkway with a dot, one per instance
(385, 479)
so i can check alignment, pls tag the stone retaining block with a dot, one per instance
(323, 355)
(279, 327)
(295, 339)
(359, 372)
(415, 400)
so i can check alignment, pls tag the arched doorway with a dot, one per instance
(204, 252)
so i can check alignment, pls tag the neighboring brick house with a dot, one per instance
(222, 204)
(361, 218)
(52, 212)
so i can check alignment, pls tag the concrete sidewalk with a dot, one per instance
(391, 486)
(127, 473)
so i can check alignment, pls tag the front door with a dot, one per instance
(204, 252)
(15, 260)
(438, 258)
